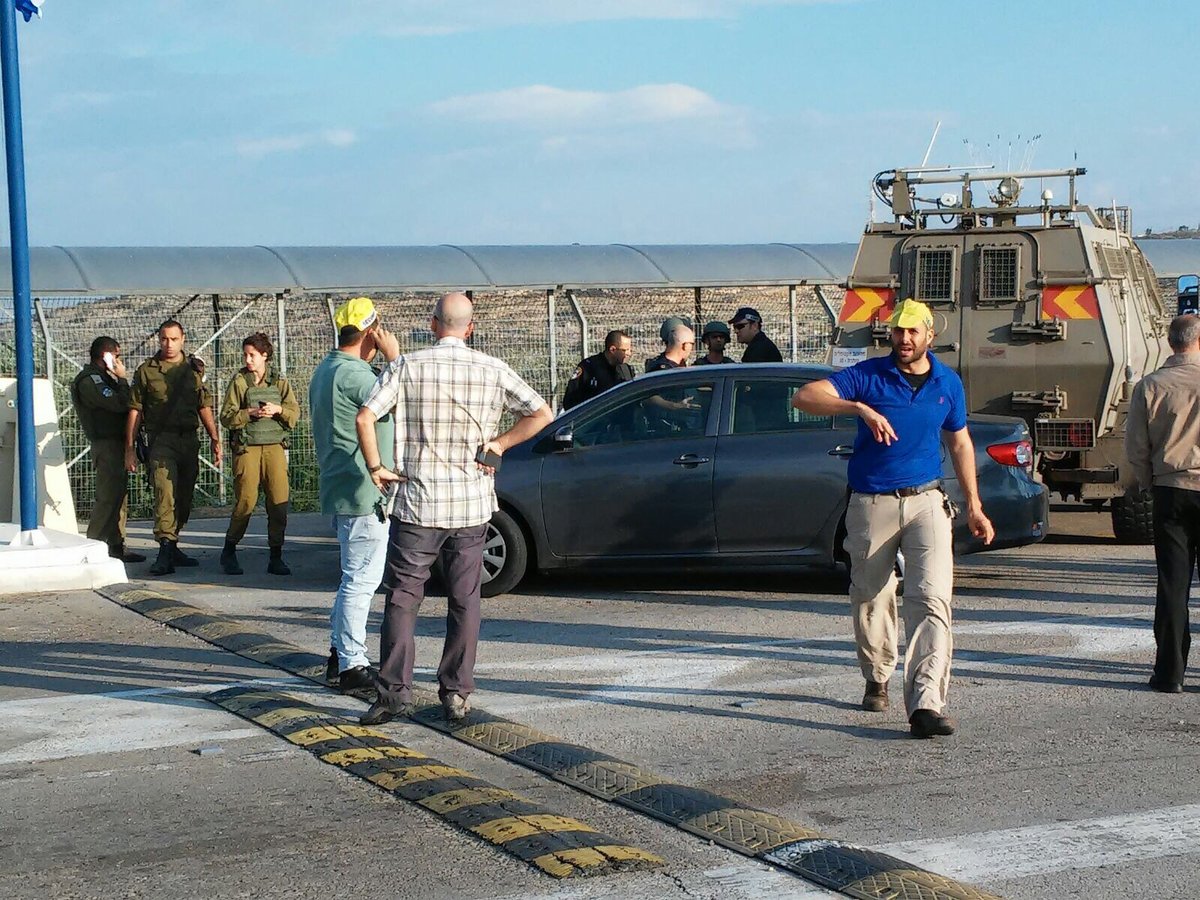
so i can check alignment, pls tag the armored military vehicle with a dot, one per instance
(1047, 309)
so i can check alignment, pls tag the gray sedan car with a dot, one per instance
(710, 466)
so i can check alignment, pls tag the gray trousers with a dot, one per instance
(412, 550)
(877, 525)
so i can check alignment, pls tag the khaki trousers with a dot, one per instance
(107, 521)
(255, 466)
(173, 468)
(877, 525)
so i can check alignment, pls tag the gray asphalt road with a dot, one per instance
(1067, 778)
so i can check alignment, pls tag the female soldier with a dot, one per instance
(260, 411)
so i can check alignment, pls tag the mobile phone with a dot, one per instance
(488, 458)
(262, 404)
(109, 360)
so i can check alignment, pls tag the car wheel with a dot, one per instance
(1133, 518)
(505, 555)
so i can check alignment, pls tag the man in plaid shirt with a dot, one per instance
(448, 401)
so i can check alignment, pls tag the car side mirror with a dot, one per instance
(564, 438)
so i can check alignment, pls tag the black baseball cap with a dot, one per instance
(746, 314)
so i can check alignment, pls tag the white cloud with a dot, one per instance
(541, 104)
(257, 148)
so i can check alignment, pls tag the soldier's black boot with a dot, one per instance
(229, 560)
(163, 564)
(118, 551)
(276, 565)
(179, 558)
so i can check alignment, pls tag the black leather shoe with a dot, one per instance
(356, 678)
(380, 712)
(229, 563)
(332, 666)
(276, 566)
(875, 698)
(163, 565)
(179, 558)
(1165, 687)
(925, 723)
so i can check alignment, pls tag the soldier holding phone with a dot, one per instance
(100, 395)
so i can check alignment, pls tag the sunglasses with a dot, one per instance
(738, 326)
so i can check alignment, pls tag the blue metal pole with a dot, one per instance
(19, 239)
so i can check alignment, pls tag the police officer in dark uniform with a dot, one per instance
(759, 348)
(100, 395)
(169, 393)
(600, 371)
(680, 341)
(715, 338)
(670, 323)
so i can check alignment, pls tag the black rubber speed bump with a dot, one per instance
(557, 845)
(840, 866)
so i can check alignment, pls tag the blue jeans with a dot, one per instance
(363, 541)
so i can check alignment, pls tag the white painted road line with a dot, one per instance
(46, 728)
(1041, 849)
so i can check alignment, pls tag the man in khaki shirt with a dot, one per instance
(1162, 441)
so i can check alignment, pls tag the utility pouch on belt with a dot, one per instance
(949, 506)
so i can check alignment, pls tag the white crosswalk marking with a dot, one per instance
(1041, 849)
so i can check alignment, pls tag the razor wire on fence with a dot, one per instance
(541, 334)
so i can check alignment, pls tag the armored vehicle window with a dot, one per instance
(999, 271)
(935, 275)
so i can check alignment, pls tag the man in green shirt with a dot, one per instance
(339, 386)
(100, 394)
(170, 395)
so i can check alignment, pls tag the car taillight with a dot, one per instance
(1015, 453)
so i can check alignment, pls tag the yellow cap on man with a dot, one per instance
(359, 313)
(910, 313)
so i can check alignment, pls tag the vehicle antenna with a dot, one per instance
(929, 149)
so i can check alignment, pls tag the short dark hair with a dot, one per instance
(349, 334)
(260, 342)
(102, 345)
(171, 323)
(613, 337)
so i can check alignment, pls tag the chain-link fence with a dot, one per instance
(542, 335)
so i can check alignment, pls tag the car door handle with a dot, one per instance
(691, 460)
(842, 450)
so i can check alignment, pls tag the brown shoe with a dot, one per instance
(875, 698)
(925, 723)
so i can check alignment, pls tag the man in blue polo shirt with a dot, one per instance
(907, 404)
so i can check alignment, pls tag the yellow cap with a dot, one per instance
(910, 313)
(359, 312)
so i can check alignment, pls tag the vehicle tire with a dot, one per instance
(505, 555)
(1133, 518)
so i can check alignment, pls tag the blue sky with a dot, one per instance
(214, 122)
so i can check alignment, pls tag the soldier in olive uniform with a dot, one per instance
(260, 411)
(100, 395)
(169, 394)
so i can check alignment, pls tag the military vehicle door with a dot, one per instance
(931, 270)
(999, 291)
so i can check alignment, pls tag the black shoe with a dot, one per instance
(875, 697)
(381, 712)
(163, 565)
(125, 556)
(356, 678)
(179, 558)
(1165, 687)
(925, 723)
(276, 566)
(229, 563)
(331, 666)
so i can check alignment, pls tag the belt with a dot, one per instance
(906, 491)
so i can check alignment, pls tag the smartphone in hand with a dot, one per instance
(109, 360)
(488, 458)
